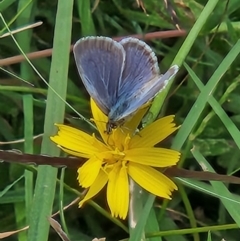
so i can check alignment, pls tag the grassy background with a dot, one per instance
(204, 97)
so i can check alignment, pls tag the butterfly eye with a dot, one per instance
(110, 125)
(113, 125)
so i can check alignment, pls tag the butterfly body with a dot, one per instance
(119, 76)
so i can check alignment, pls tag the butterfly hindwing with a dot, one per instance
(140, 65)
(141, 79)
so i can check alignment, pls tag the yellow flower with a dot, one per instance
(121, 155)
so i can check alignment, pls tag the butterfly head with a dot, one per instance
(113, 125)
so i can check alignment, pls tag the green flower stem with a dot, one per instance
(137, 233)
(46, 179)
(135, 204)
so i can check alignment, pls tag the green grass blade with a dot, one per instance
(203, 98)
(231, 127)
(221, 189)
(46, 179)
(24, 39)
(184, 50)
(84, 11)
(181, 55)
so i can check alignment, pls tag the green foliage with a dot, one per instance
(204, 97)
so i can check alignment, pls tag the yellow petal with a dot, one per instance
(154, 133)
(78, 146)
(96, 187)
(118, 191)
(116, 137)
(75, 153)
(151, 180)
(88, 172)
(156, 157)
(100, 120)
(76, 140)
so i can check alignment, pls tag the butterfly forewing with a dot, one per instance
(100, 64)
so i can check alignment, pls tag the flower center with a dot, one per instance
(120, 140)
(113, 157)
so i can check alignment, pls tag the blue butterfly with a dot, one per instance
(119, 76)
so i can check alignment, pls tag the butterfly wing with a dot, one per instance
(140, 66)
(130, 102)
(141, 79)
(100, 65)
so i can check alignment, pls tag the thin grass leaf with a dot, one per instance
(85, 14)
(153, 112)
(180, 57)
(7, 188)
(46, 179)
(203, 98)
(24, 39)
(230, 126)
(221, 189)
